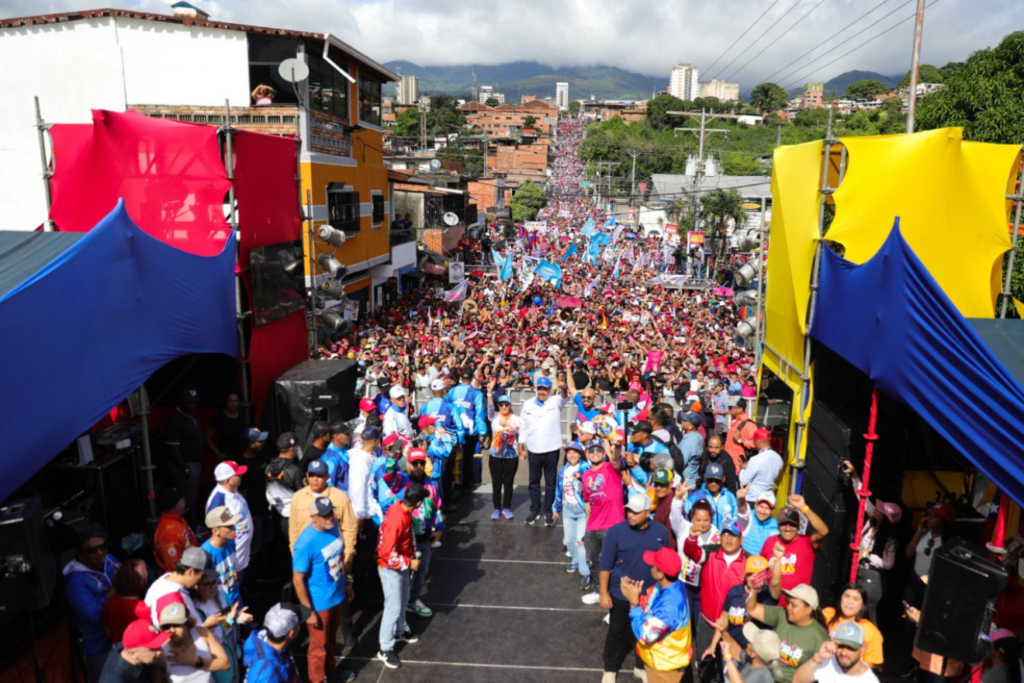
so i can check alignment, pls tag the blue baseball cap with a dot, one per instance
(317, 467)
(504, 398)
(543, 382)
(371, 433)
(574, 446)
(731, 526)
(714, 471)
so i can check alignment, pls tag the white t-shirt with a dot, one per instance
(923, 562)
(164, 586)
(190, 674)
(829, 672)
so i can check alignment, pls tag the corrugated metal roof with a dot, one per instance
(668, 187)
(23, 254)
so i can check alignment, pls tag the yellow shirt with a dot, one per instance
(872, 654)
(348, 525)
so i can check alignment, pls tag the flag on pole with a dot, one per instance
(458, 293)
(594, 284)
(609, 223)
(506, 269)
(589, 228)
(615, 273)
(552, 272)
(571, 251)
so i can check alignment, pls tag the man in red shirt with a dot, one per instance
(396, 560)
(798, 560)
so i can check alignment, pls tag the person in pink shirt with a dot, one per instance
(602, 491)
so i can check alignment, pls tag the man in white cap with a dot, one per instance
(225, 494)
(763, 648)
(443, 409)
(839, 659)
(396, 417)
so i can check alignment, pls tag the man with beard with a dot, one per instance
(716, 454)
(838, 659)
(427, 527)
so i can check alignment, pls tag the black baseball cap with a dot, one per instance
(286, 441)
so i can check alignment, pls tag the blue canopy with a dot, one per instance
(92, 323)
(891, 320)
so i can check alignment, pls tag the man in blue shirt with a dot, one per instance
(470, 405)
(221, 549)
(318, 574)
(268, 654)
(585, 408)
(444, 410)
(692, 446)
(336, 456)
(622, 556)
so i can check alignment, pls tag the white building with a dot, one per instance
(409, 90)
(487, 92)
(562, 95)
(682, 82)
(724, 91)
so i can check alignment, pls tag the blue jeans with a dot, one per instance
(396, 597)
(574, 523)
(424, 550)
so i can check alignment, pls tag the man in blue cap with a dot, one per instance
(540, 442)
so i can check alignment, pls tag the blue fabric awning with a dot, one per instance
(890, 319)
(95, 317)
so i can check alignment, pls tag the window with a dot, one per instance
(265, 53)
(378, 208)
(369, 100)
(343, 210)
(328, 89)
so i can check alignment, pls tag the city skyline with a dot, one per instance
(591, 32)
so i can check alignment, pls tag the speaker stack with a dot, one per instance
(28, 573)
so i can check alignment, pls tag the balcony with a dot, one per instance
(279, 119)
(397, 237)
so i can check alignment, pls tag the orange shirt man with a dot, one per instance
(173, 534)
(741, 433)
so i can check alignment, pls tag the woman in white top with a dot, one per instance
(878, 544)
(192, 655)
(209, 601)
(504, 457)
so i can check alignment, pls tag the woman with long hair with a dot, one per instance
(878, 546)
(129, 586)
(853, 606)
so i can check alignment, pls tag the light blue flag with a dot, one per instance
(506, 269)
(547, 270)
(600, 239)
(499, 260)
(571, 251)
(609, 223)
(615, 273)
(589, 228)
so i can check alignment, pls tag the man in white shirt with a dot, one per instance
(396, 417)
(540, 441)
(229, 477)
(838, 660)
(363, 495)
(760, 472)
(186, 575)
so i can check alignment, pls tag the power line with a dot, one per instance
(775, 42)
(870, 11)
(846, 40)
(757, 40)
(742, 34)
(896, 25)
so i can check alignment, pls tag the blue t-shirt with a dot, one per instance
(735, 606)
(622, 553)
(223, 560)
(318, 555)
(583, 415)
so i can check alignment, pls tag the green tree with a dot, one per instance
(768, 97)
(895, 122)
(862, 90)
(444, 115)
(657, 112)
(527, 201)
(717, 209)
(492, 102)
(574, 108)
(925, 74)
(811, 117)
(529, 122)
(407, 124)
(950, 69)
(739, 163)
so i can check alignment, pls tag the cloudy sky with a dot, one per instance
(647, 36)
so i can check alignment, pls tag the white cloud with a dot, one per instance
(647, 36)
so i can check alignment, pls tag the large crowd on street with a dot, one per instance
(666, 491)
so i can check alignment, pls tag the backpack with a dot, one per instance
(678, 460)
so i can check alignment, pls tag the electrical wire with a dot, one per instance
(875, 37)
(870, 11)
(756, 41)
(741, 35)
(846, 40)
(775, 42)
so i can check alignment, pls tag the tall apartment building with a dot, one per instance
(813, 96)
(724, 91)
(562, 96)
(487, 92)
(682, 82)
(409, 90)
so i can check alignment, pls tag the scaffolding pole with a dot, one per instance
(1018, 199)
(796, 481)
(915, 65)
(41, 128)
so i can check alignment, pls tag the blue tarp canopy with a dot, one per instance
(85, 319)
(891, 320)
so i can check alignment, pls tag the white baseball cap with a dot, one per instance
(437, 385)
(396, 392)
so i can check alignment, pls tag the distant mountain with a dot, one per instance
(840, 83)
(516, 78)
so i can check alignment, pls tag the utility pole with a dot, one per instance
(915, 64)
(423, 131)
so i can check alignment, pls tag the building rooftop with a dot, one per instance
(668, 187)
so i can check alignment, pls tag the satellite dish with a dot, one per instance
(293, 70)
(451, 219)
(435, 164)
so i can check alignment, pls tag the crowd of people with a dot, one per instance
(665, 489)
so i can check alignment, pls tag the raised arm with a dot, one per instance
(818, 526)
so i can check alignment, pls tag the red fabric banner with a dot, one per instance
(170, 175)
(265, 190)
(276, 347)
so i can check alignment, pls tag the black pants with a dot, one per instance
(365, 580)
(873, 582)
(503, 474)
(448, 479)
(468, 453)
(546, 463)
(620, 639)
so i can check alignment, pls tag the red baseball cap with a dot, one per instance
(367, 406)
(944, 511)
(425, 421)
(142, 633)
(390, 439)
(666, 559)
(762, 434)
(417, 454)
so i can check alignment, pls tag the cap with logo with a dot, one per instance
(228, 469)
(425, 421)
(437, 385)
(731, 526)
(762, 434)
(286, 441)
(390, 440)
(588, 427)
(170, 610)
(789, 515)
(807, 594)
(543, 383)
(321, 506)
(317, 468)
(665, 559)
(188, 395)
(254, 435)
(714, 472)
(416, 455)
(221, 516)
(766, 497)
(756, 564)
(142, 633)
(367, 405)
(397, 392)
(849, 634)
(574, 446)
(504, 398)
(661, 476)
(639, 502)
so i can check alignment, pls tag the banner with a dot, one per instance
(351, 310)
(694, 240)
(456, 272)
(458, 293)
(535, 226)
(672, 233)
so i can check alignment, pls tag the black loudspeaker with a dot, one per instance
(959, 603)
(28, 573)
(310, 391)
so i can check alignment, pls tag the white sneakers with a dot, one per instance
(609, 677)
(591, 598)
(641, 674)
